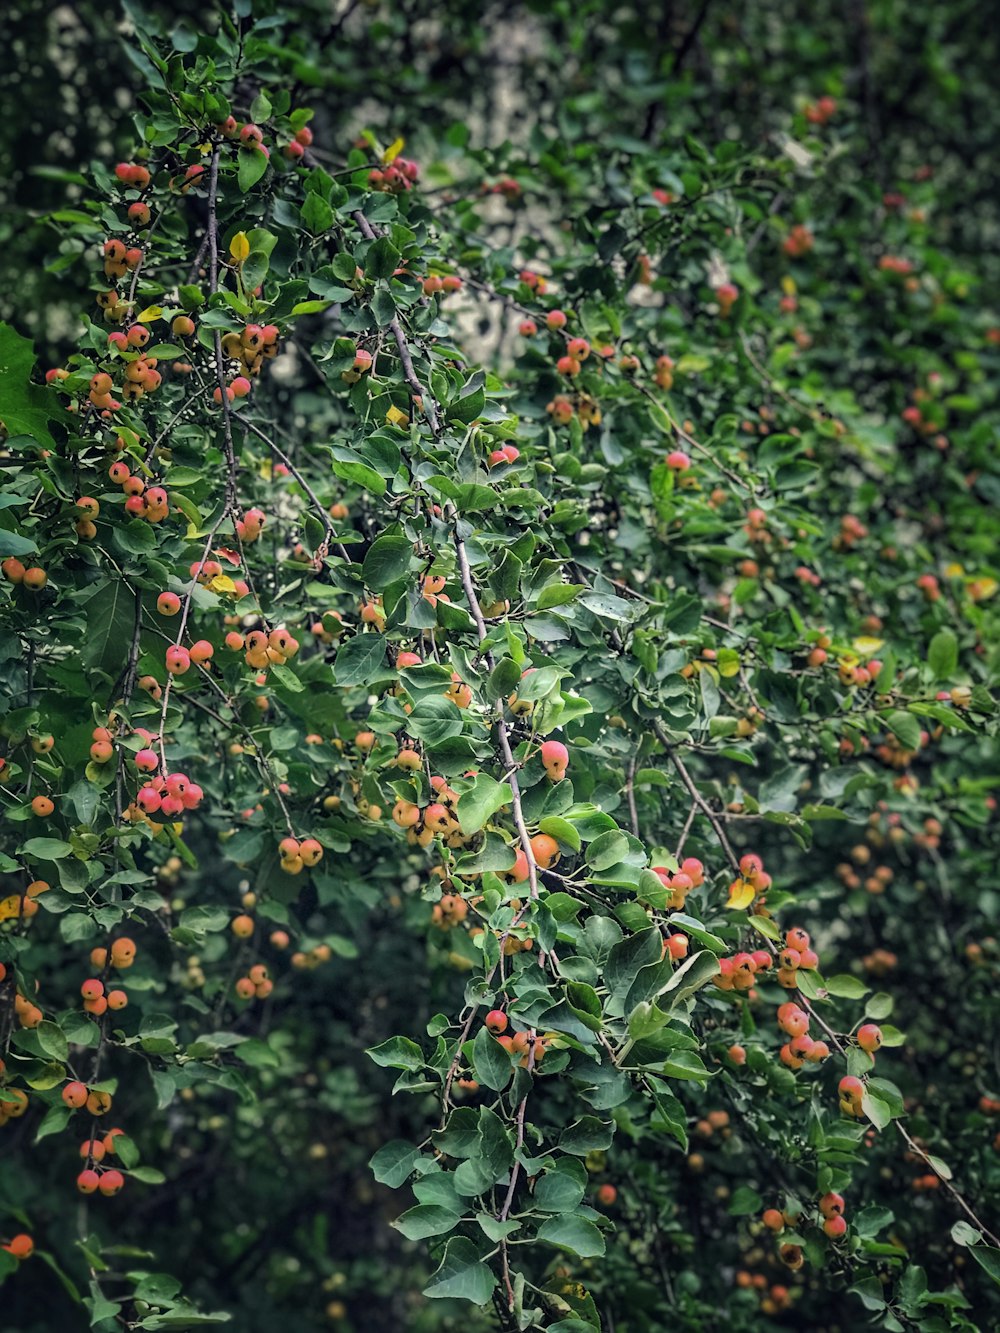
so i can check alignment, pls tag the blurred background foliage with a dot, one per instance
(524, 80)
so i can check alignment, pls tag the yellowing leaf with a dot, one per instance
(10, 907)
(741, 895)
(222, 583)
(867, 645)
(954, 570)
(239, 247)
(980, 590)
(393, 151)
(397, 418)
(149, 314)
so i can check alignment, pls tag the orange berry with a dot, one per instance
(123, 952)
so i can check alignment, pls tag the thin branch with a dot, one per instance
(396, 329)
(695, 794)
(633, 813)
(502, 733)
(318, 505)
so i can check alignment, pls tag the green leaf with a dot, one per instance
(906, 727)
(462, 1274)
(692, 974)
(942, 655)
(252, 165)
(47, 849)
(879, 1006)
(587, 1135)
(386, 561)
(573, 1233)
(482, 800)
(426, 1219)
(52, 1040)
(382, 259)
(25, 408)
(629, 957)
(397, 1053)
(876, 1110)
(744, 1202)
(360, 660)
(562, 1189)
(561, 829)
(493, 1066)
(55, 1120)
(607, 850)
(607, 606)
(558, 594)
(988, 1259)
(110, 617)
(393, 1162)
(846, 986)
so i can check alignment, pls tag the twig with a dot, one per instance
(396, 329)
(633, 813)
(502, 733)
(695, 794)
(317, 503)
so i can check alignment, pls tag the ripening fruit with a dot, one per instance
(111, 1182)
(35, 579)
(42, 806)
(311, 851)
(773, 1219)
(92, 989)
(20, 1246)
(545, 850)
(177, 660)
(242, 927)
(835, 1227)
(851, 1091)
(87, 1181)
(496, 1021)
(122, 952)
(555, 319)
(606, 1195)
(99, 1103)
(737, 1054)
(117, 999)
(677, 946)
(869, 1037)
(74, 1094)
(793, 1020)
(555, 760)
(831, 1205)
(201, 652)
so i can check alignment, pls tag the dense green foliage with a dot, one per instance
(525, 542)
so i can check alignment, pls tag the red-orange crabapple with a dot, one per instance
(869, 1037)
